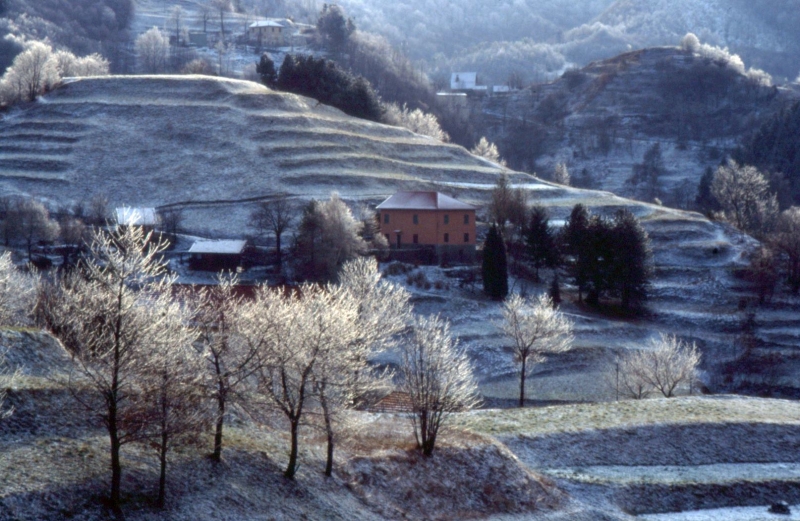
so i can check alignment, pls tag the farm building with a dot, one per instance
(211, 255)
(414, 219)
(147, 218)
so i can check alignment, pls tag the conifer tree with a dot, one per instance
(631, 267)
(540, 244)
(495, 267)
(576, 244)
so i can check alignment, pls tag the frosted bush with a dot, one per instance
(415, 120)
(691, 43)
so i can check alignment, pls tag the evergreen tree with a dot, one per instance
(575, 239)
(599, 257)
(266, 70)
(495, 267)
(631, 266)
(540, 243)
(555, 291)
(705, 200)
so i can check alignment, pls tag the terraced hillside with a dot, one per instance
(659, 456)
(196, 141)
(214, 146)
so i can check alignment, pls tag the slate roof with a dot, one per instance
(222, 247)
(128, 216)
(423, 201)
(267, 23)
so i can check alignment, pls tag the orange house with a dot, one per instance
(409, 219)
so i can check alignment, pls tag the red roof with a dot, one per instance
(423, 201)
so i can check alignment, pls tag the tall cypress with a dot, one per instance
(576, 244)
(540, 244)
(632, 267)
(495, 265)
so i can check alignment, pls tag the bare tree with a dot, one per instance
(438, 378)
(744, 194)
(222, 7)
(152, 51)
(343, 376)
(786, 240)
(536, 330)
(508, 206)
(106, 315)
(668, 363)
(176, 16)
(205, 9)
(171, 378)
(229, 361)
(273, 216)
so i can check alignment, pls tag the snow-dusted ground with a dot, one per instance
(727, 514)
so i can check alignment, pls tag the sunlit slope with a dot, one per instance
(161, 140)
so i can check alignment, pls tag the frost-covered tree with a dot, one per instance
(107, 315)
(561, 174)
(343, 376)
(17, 293)
(229, 361)
(415, 120)
(328, 236)
(483, 148)
(292, 335)
(437, 376)
(33, 72)
(536, 330)
(171, 377)
(152, 51)
(666, 364)
(70, 65)
(745, 197)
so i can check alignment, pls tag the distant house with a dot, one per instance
(410, 219)
(213, 255)
(147, 218)
(276, 32)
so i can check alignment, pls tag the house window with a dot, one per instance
(415, 239)
(446, 219)
(416, 219)
(466, 218)
(386, 218)
(446, 237)
(466, 237)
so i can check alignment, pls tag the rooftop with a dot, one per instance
(270, 23)
(423, 201)
(223, 247)
(128, 216)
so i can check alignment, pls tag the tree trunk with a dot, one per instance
(116, 466)
(278, 248)
(217, 455)
(522, 382)
(292, 467)
(329, 462)
(162, 479)
(326, 414)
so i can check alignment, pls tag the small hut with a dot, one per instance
(211, 255)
